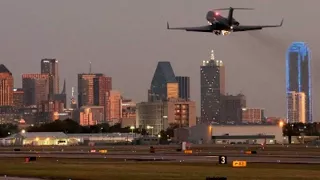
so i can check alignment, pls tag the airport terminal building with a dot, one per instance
(230, 134)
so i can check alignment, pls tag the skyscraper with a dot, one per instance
(86, 89)
(6, 86)
(231, 109)
(102, 86)
(164, 84)
(18, 96)
(298, 75)
(296, 102)
(212, 81)
(50, 66)
(62, 97)
(115, 106)
(35, 88)
(184, 87)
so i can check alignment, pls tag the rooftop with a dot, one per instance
(42, 135)
(245, 137)
(4, 69)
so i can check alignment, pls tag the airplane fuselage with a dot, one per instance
(219, 23)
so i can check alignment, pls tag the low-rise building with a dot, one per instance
(252, 115)
(60, 138)
(231, 134)
(36, 139)
(157, 116)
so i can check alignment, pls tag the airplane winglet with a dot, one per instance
(281, 22)
(168, 27)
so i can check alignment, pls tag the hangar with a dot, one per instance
(230, 134)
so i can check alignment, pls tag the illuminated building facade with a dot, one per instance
(50, 67)
(91, 115)
(6, 86)
(115, 106)
(128, 113)
(18, 96)
(86, 89)
(212, 81)
(296, 102)
(35, 88)
(50, 110)
(102, 86)
(252, 115)
(298, 76)
(158, 116)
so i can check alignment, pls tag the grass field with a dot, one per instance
(94, 169)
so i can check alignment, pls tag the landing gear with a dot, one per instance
(217, 32)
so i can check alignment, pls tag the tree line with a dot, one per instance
(71, 127)
(301, 129)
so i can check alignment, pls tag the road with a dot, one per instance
(172, 157)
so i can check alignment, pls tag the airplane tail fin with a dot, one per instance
(231, 9)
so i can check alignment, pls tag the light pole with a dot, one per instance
(132, 128)
(150, 127)
(164, 122)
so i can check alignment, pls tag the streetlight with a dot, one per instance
(132, 128)
(150, 127)
(281, 123)
(23, 131)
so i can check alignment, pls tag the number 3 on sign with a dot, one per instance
(222, 160)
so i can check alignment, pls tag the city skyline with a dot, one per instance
(94, 36)
(164, 74)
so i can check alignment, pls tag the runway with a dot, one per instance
(135, 153)
(174, 158)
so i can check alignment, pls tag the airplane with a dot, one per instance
(223, 26)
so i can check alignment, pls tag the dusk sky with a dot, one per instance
(125, 39)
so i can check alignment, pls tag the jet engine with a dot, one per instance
(235, 22)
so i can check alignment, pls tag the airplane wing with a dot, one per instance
(251, 28)
(207, 28)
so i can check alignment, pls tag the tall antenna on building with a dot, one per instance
(212, 55)
(90, 68)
